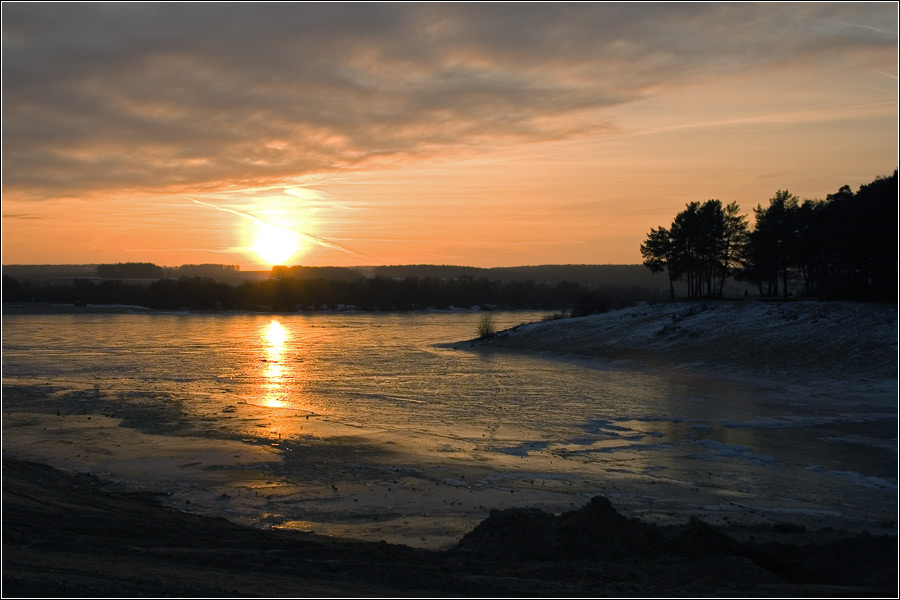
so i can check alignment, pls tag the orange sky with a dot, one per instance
(471, 134)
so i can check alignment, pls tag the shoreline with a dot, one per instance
(759, 338)
(70, 535)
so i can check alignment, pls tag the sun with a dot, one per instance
(275, 245)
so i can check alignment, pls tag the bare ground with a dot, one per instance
(70, 536)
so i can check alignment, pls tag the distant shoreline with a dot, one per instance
(16, 308)
(20, 308)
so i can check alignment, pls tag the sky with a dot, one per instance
(479, 134)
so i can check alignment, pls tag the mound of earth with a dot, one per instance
(598, 533)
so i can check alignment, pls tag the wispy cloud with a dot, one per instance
(21, 216)
(160, 250)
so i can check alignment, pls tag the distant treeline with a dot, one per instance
(290, 294)
(842, 247)
(137, 270)
(588, 276)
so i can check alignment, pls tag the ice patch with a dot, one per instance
(656, 419)
(864, 480)
(521, 449)
(603, 426)
(582, 441)
(798, 421)
(865, 441)
(732, 451)
(564, 453)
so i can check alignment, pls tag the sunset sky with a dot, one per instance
(466, 133)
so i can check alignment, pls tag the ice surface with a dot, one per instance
(362, 425)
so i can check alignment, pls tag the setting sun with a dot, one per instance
(275, 245)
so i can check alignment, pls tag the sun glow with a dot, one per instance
(275, 245)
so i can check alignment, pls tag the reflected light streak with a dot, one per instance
(282, 409)
(276, 335)
(276, 338)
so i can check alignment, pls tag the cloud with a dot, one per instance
(21, 216)
(194, 98)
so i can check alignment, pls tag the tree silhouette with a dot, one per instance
(704, 246)
(658, 253)
(774, 242)
(842, 247)
(734, 243)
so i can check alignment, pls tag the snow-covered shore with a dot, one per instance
(834, 340)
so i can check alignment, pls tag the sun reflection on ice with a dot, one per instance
(282, 408)
(276, 337)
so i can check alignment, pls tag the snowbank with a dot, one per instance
(832, 339)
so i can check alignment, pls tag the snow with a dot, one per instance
(833, 340)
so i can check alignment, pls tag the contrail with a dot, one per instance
(857, 25)
(312, 238)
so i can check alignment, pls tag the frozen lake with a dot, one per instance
(363, 425)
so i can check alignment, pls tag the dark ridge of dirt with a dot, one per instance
(67, 535)
(597, 532)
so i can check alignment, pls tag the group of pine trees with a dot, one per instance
(842, 247)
